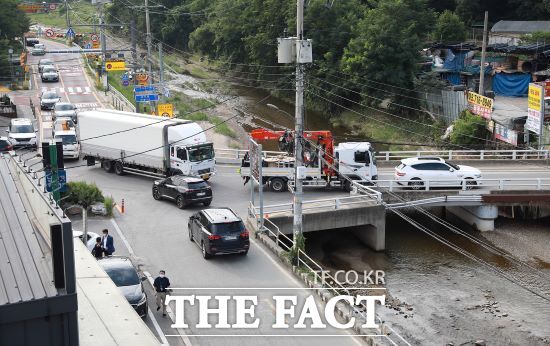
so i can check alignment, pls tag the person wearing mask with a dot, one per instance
(97, 251)
(107, 243)
(161, 285)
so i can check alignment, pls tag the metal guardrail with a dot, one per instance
(480, 155)
(467, 184)
(120, 101)
(436, 200)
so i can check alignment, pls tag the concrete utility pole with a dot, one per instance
(103, 46)
(67, 19)
(148, 39)
(483, 53)
(161, 72)
(299, 127)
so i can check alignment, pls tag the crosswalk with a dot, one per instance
(69, 90)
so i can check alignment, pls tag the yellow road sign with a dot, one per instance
(115, 66)
(166, 110)
(95, 45)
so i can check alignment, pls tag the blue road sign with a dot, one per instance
(70, 32)
(88, 46)
(62, 180)
(147, 97)
(143, 88)
(125, 82)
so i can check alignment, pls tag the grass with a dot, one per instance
(116, 82)
(56, 19)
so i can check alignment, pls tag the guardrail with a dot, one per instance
(478, 155)
(120, 101)
(332, 285)
(436, 200)
(481, 155)
(465, 184)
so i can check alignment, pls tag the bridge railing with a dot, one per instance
(481, 155)
(465, 184)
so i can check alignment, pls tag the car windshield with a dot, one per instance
(205, 152)
(197, 185)
(49, 69)
(46, 62)
(456, 167)
(21, 129)
(229, 227)
(64, 107)
(67, 139)
(50, 95)
(63, 125)
(126, 276)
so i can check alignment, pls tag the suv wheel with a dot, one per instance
(278, 185)
(190, 232)
(243, 253)
(156, 193)
(180, 202)
(206, 204)
(205, 254)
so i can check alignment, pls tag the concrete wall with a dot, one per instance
(481, 218)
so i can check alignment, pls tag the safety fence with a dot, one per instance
(419, 185)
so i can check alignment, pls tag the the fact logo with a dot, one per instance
(286, 307)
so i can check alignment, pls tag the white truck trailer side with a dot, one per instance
(144, 144)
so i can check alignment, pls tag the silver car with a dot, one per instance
(38, 49)
(64, 110)
(48, 99)
(44, 62)
(49, 74)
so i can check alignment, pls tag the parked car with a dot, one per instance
(71, 147)
(48, 99)
(6, 144)
(91, 236)
(121, 270)
(218, 231)
(62, 124)
(49, 74)
(44, 62)
(416, 171)
(38, 49)
(31, 41)
(183, 190)
(64, 110)
(22, 133)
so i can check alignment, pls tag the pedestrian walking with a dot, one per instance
(107, 243)
(98, 251)
(161, 285)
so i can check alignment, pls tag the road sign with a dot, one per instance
(88, 46)
(70, 32)
(95, 45)
(62, 180)
(147, 97)
(115, 66)
(166, 110)
(125, 83)
(49, 33)
(142, 78)
(94, 37)
(144, 89)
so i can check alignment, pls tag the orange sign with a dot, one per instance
(142, 78)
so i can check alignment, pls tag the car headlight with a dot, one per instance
(32, 140)
(477, 175)
(142, 300)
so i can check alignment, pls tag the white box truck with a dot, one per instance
(144, 144)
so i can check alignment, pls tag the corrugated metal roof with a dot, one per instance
(521, 26)
(25, 268)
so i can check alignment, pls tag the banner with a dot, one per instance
(479, 104)
(535, 108)
(165, 110)
(115, 66)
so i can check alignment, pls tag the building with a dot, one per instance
(510, 31)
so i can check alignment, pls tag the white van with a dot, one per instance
(71, 147)
(22, 133)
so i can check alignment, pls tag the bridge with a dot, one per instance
(514, 178)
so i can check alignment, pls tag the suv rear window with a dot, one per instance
(197, 185)
(228, 228)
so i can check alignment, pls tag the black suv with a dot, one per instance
(218, 231)
(183, 190)
(121, 270)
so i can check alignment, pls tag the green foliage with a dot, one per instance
(109, 203)
(466, 127)
(386, 45)
(449, 28)
(13, 22)
(536, 37)
(82, 194)
(56, 19)
(299, 245)
(116, 81)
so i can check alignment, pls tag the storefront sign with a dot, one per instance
(505, 134)
(480, 105)
(535, 108)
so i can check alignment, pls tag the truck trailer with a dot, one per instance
(126, 142)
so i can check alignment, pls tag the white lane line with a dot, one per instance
(70, 90)
(157, 327)
(149, 277)
(61, 90)
(44, 89)
(78, 89)
(87, 90)
(169, 311)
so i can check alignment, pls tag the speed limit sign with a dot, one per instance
(49, 33)
(94, 37)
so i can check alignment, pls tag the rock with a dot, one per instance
(410, 308)
(450, 344)
(480, 343)
(457, 300)
(504, 315)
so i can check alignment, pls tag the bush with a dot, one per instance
(82, 194)
(469, 129)
(109, 203)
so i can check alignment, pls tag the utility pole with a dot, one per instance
(299, 127)
(481, 90)
(161, 72)
(148, 40)
(103, 46)
(67, 19)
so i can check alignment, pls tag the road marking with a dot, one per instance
(157, 327)
(78, 89)
(44, 89)
(86, 105)
(70, 89)
(87, 90)
(81, 63)
(61, 90)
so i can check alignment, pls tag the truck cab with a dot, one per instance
(71, 147)
(193, 160)
(356, 160)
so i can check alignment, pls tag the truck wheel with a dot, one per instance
(278, 185)
(119, 169)
(347, 186)
(107, 166)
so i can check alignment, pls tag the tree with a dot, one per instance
(13, 21)
(386, 47)
(469, 10)
(82, 194)
(449, 28)
(536, 37)
(468, 129)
